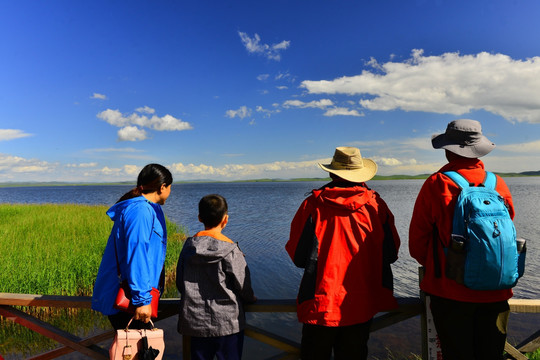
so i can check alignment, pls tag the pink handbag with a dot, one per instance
(137, 344)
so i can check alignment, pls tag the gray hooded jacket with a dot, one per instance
(214, 281)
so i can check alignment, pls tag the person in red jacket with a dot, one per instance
(471, 324)
(344, 236)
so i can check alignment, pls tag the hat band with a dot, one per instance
(340, 166)
(463, 138)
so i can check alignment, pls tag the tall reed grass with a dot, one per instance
(56, 249)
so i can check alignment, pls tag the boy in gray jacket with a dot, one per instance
(214, 282)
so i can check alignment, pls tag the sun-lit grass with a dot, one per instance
(56, 249)
(534, 355)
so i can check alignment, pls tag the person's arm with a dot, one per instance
(503, 190)
(391, 242)
(302, 236)
(421, 228)
(138, 225)
(180, 273)
(238, 273)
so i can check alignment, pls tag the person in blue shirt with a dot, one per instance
(136, 246)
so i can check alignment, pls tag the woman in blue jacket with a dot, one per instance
(137, 246)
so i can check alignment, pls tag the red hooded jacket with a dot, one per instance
(433, 214)
(344, 236)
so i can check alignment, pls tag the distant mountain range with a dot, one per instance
(377, 177)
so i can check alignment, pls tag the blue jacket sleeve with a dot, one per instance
(138, 227)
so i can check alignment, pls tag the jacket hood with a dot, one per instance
(117, 209)
(206, 249)
(348, 198)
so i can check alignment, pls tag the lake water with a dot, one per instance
(260, 215)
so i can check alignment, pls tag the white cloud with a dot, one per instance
(168, 123)
(387, 161)
(11, 134)
(113, 117)
(83, 165)
(320, 104)
(450, 83)
(263, 77)
(342, 111)
(164, 123)
(528, 147)
(267, 112)
(98, 96)
(132, 169)
(11, 167)
(280, 169)
(126, 171)
(113, 150)
(131, 124)
(283, 76)
(108, 173)
(242, 113)
(131, 133)
(146, 110)
(254, 46)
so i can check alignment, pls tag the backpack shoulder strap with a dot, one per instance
(458, 179)
(490, 182)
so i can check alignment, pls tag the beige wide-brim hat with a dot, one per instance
(464, 137)
(348, 164)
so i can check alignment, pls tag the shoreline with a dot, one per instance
(208, 181)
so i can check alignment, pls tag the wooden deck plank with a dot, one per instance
(50, 331)
(514, 353)
(276, 341)
(53, 354)
(531, 344)
(391, 318)
(408, 307)
(84, 302)
(524, 305)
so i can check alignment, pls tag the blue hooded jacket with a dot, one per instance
(140, 234)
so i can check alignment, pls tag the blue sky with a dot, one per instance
(226, 90)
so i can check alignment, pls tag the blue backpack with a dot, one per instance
(483, 253)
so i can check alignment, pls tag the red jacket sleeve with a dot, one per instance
(300, 231)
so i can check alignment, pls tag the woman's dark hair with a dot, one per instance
(150, 179)
(212, 209)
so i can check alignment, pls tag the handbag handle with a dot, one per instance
(129, 323)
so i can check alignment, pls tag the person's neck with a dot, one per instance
(213, 230)
(152, 197)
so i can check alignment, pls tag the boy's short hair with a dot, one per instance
(212, 209)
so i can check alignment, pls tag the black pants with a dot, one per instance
(119, 321)
(348, 342)
(470, 331)
(228, 347)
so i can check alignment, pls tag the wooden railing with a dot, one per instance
(408, 308)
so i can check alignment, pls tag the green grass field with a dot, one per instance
(56, 250)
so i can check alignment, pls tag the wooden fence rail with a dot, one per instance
(408, 308)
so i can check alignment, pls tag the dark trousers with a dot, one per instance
(227, 347)
(348, 342)
(470, 331)
(120, 321)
